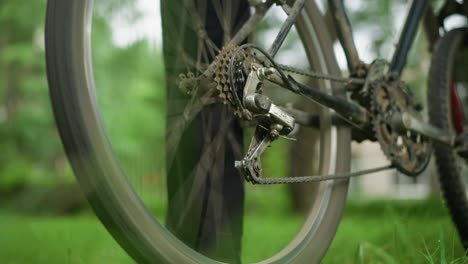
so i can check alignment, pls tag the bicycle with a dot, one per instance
(217, 82)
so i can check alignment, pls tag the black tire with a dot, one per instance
(120, 209)
(443, 64)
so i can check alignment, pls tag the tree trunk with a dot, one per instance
(205, 208)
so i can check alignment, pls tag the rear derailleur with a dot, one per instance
(272, 122)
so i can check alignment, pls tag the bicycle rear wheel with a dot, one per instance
(78, 116)
(448, 100)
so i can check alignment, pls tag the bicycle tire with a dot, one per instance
(447, 161)
(112, 198)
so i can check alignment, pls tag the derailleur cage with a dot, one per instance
(272, 122)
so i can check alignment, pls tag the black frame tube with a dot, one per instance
(354, 114)
(345, 33)
(409, 30)
(408, 33)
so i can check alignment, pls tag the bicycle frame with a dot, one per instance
(408, 32)
(418, 10)
(356, 115)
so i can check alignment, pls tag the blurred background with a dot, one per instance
(389, 218)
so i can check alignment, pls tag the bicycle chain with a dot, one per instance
(321, 76)
(304, 179)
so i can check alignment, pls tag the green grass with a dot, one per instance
(82, 239)
(396, 232)
(370, 232)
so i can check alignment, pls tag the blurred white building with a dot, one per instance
(388, 184)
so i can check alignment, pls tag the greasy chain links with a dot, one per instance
(238, 79)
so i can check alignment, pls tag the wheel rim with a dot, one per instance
(101, 152)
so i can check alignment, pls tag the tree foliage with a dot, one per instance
(127, 81)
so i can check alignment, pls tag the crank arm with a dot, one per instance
(406, 122)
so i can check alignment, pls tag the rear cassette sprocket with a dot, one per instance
(230, 89)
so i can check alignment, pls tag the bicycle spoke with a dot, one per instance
(286, 27)
(249, 26)
(205, 56)
(228, 11)
(236, 147)
(203, 137)
(197, 179)
(199, 52)
(219, 13)
(180, 123)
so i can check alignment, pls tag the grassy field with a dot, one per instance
(370, 232)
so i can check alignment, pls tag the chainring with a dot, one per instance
(409, 152)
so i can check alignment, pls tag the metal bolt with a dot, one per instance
(274, 133)
(256, 167)
(262, 102)
(286, 131)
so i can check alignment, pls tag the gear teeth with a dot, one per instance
(223, 85)
(386, 135)
(222, 78)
